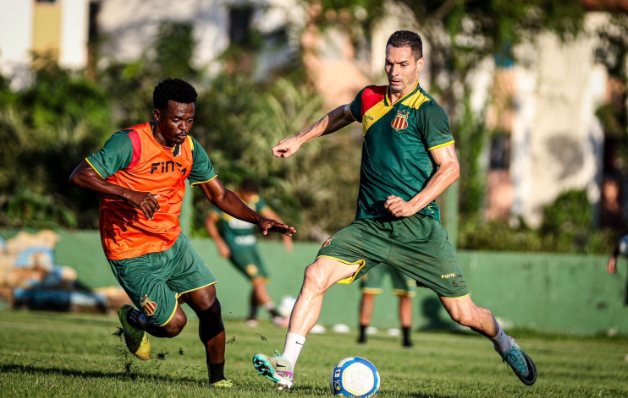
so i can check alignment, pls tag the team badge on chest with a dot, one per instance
(400, 122)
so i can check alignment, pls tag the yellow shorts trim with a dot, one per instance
(176, 304)
(398, 292)
(459, 297)
(202, 182)
(196, 288)
(442, 145)
(372, 290)
(351, 278)
(95, 169)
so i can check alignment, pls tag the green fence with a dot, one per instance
(547, 292)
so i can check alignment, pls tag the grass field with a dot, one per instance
(51, 354)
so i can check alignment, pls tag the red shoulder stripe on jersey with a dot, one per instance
(371, 96)
(137, 148)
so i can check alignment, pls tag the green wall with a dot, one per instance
(548, 292)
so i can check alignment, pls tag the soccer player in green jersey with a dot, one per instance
(408, 160)
(236, 241)
(140, 176)
(404, 287)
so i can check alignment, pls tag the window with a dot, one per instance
(240, 25)
(500, 151)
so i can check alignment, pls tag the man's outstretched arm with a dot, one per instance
(85, 177)
(231, 204)
(330, 123)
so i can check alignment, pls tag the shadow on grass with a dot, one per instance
(325, 391)
(34, 369)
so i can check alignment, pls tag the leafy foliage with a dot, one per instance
(567, 227)
(45, 132)
(239, 121)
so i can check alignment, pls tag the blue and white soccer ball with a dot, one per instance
(355, 377)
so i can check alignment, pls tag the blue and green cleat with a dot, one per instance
(276, 368)
(520, 363)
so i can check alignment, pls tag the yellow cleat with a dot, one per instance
(222, 384)
(136, 339)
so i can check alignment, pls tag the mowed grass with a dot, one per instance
(53, 354)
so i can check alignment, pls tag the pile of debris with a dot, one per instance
(30, 278)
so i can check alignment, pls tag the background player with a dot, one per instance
(408, 160)
(621, 248)
(403, 287)
(236, 241)
(140, 176)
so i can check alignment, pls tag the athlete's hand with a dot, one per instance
(144, 201)
(287, 147)
(399, 207)
(611, 265)
(267, 225)
(223, 250)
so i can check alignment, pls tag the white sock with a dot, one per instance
(501, 341)
(292, 349)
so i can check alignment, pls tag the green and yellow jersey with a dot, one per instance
(237, 233)
(395, 152)
(133, 159)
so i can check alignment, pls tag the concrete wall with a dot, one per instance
(16, 35)
(129, 26)
(548, 292)
(74, 29)
(557, 140)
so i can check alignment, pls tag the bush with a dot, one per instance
(567, 227)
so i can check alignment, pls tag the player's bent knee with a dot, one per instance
(315, 279)
(215, 309)
(175, 326)
(463, 317)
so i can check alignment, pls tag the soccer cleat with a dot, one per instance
(520, 363)
(222, 384)
(277, 369)
(251, 323)
(136, 339)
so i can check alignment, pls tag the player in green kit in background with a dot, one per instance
(235, 240)
(408, 160)
(371, 286)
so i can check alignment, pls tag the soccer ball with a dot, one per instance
(354, 377)
(285, 306)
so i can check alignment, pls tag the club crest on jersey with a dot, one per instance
(328, 241)
(400, 122)
(149, 306)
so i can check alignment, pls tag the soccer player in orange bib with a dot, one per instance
(140, 176)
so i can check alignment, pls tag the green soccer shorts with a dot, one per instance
(372, 282)
(417, 246)
(155, 281)
(247, 260)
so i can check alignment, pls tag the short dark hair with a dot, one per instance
(405, 38)
(250, 185)
(175, 90)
